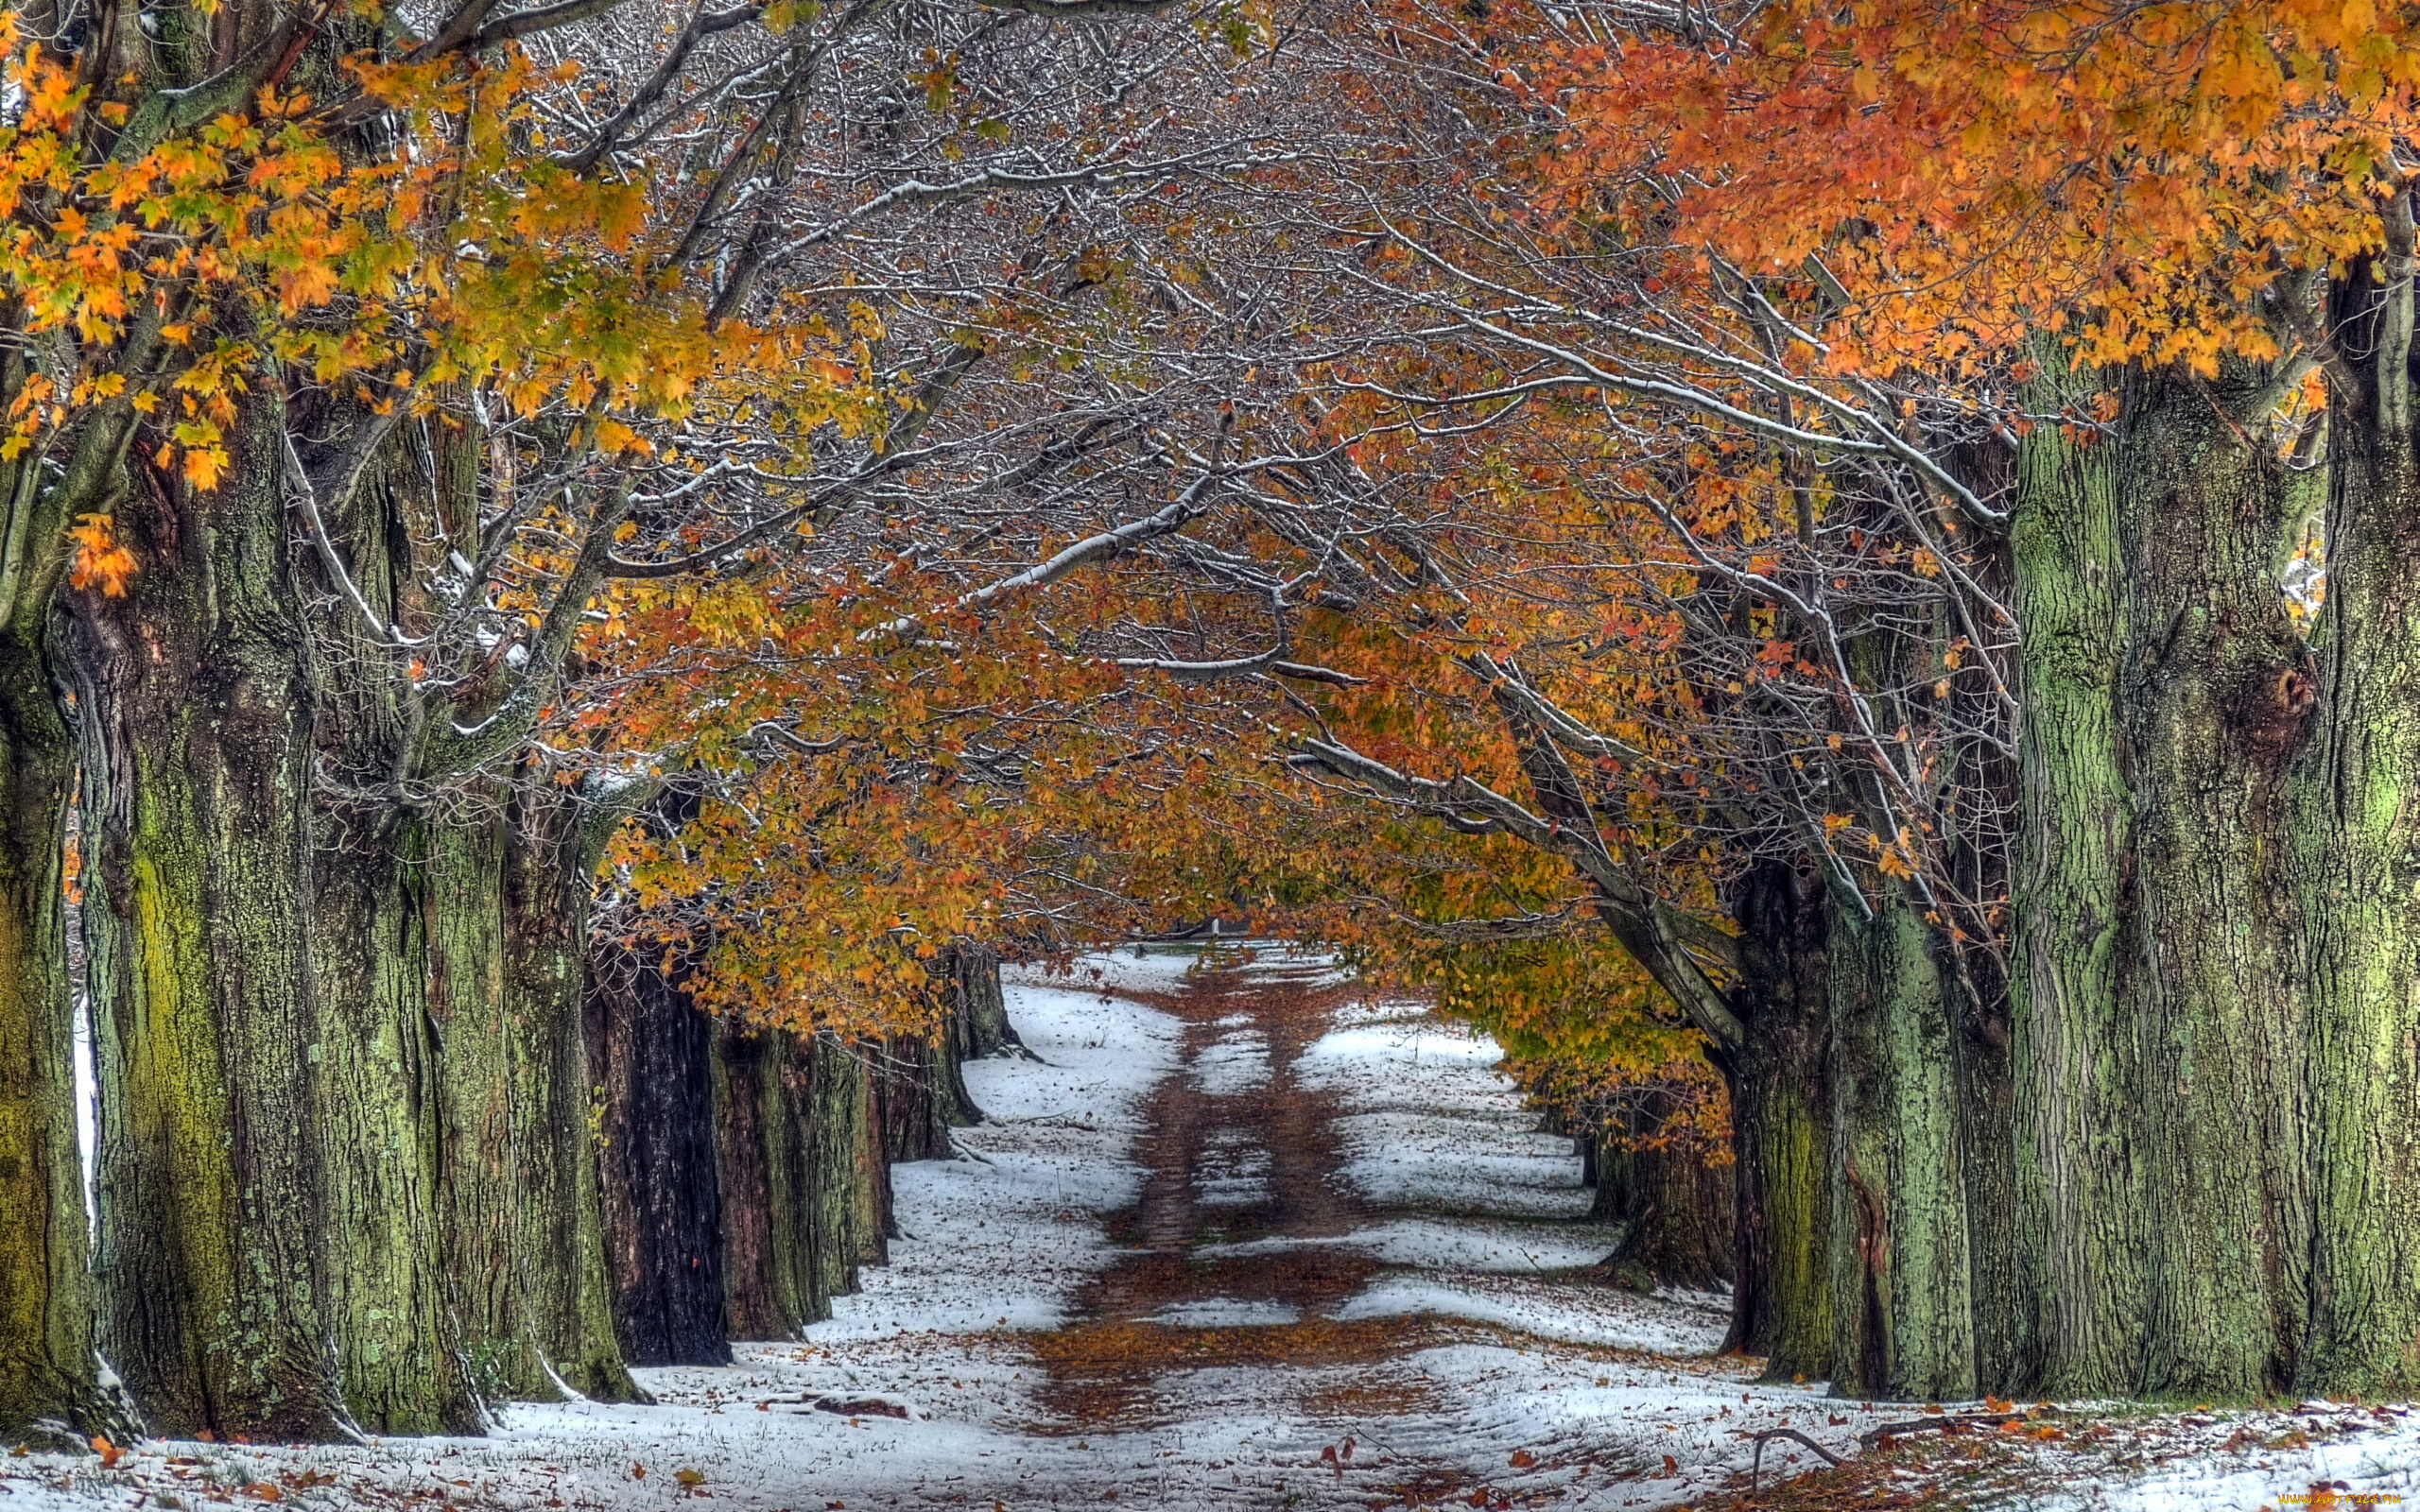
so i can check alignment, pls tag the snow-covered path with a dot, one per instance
(1237, 1239)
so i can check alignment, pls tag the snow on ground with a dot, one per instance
(1436, 1125)
(1464, 1358)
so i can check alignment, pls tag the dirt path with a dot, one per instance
(1243, 1162)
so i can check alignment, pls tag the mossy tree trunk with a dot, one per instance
(2357, 793)
(555, 838)
(773, 1282)
(1903, 1315)
(2159, 1029)
(848, 1168)
(46, 1371)
(197, 716)
(2214, 692)
(1676, 1209)
(2079, 1098)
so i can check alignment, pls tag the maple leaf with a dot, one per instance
(100, 561)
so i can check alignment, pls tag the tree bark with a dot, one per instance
(1679, 1227)
(1781, 1121)
(2215, 687)
(1903, 1317)
(47, 1380)
(848, 1168)
(197, 718)
(980, 1015)
(651, 1051)
(2079, 1098)
(2160, 1035)
(2358, 789)
(554, 842)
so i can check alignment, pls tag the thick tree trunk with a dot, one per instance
(2214, 692)
(197, 714)
(768, 1268)
(651, 1049)
(1679, 1226)
(848, 1168)
(2160, 1035)
(46, 1372)
(2079, 1096)
(397, 1333)
(1781, 1122)
(484, 1089)
(554, 841)
(2358, 792)
(1903, 1317)
(406, 959)
(980, 1011)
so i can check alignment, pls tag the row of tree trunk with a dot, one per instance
(383, 1138)
(2164, 1141)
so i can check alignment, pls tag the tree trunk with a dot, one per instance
(2358, 790)
(848, 1169)
(397, 1333)
(2214, 690)
(1903, 1317)
(485, 1089)
(980, 1020)
(554, 841)
(752, 1149)
(2079, 1098)
(1780, 1121)
(47, 1373)
(198, 720)
(2160, 1044)
(1678, 1228)
(651, 1049)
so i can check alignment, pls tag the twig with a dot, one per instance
(1756, 1465)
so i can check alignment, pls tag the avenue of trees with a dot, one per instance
(1845, 579)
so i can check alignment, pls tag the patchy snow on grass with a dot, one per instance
(998, 1239)
(1662, 1324)
(1434, 1124)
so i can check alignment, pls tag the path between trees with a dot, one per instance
(1238, 1239)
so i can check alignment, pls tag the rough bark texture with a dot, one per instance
(196, 723)
(480, 1082)
(1780, 1116)
(2079, 1101)
(2160, 1038)
(848, 1171)
(2359, 789)
(405, 948)
(651, 1049)
(979, 1017)
(1903, 1318)
(554, 841)
(46, 1374)
(768, 1259)
(2214, 691)
(382, 1063)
